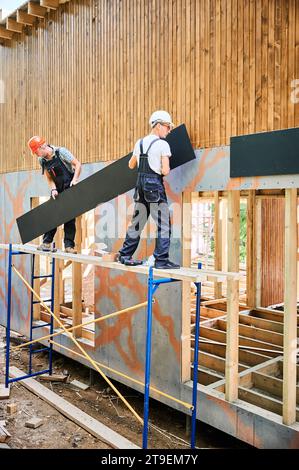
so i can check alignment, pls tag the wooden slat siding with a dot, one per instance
(278, 52)
(271, 64)
(264, 61)
(246, 81)
(285, 85)
(234, 60)
(168, 55)
(258, 68)
(291, 61)
(272, 252)
(240, 79)
(228, 67)
(297, 60)
(212, 71)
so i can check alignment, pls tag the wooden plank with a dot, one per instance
(13, 25)
(77, 284)
(37, 10)
(270, 384)
(91, 425)
(258, 251)
(52, 4)
(250, 250)
(5, 34)
(290, 308)
(186, 292)
(24, 18)
(261, 323)
(232, 335)
(217, 244)
(255, 333)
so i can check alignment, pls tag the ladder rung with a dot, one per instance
(43, 277)
(39, 350)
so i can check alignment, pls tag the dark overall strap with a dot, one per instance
(143, 166)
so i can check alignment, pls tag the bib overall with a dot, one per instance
(62, 178)
(150, 199)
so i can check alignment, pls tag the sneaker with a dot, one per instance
(167, 264)
(44, 247)
(70, 249)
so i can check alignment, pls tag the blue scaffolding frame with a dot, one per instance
(153, 285)
(33, 327)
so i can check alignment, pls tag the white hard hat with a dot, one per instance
(160, 116)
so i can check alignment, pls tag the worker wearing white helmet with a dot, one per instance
(151, 154)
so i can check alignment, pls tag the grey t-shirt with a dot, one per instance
(66, 156)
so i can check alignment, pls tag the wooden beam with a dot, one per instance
(24, 18)
(217, 244)
(13, 25)
(290, 308)
(5, 34)
(35, 9)
(77, 283)
(186, 290)
(250, 250)
(257, 263)
(52, 4)
(232, 335)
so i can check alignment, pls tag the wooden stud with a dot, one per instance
(217, 245)
(186, 292)
(290, 308)
(250, 247)
(13, 25)
(77, 283)
(37, 10)
(24, 18)
(257, 260)
(232, 335)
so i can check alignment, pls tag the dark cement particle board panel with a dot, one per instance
(265, 153)
(102, 186)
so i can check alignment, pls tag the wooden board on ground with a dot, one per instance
(83, 420)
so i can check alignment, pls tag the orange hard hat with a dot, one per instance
(35, 143)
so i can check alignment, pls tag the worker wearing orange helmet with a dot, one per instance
(61, 170)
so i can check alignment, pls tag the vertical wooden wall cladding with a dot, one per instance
(272, 251)
(90, 74)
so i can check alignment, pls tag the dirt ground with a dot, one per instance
(99, 401)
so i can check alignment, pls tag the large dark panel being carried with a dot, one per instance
(102, 186)
(266, 153)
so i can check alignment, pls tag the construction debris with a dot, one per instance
(4, 392)
(54, 378)
(11, 408)
(4, 434)
(34, 423)
(80, 385)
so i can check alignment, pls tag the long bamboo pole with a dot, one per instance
(81, 349)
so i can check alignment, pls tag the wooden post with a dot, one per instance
(290, 309)
(186, 289)
(77, 283)
(232, 334)
(217, 245)
(257, 267)
(223, 218)
(250, 250)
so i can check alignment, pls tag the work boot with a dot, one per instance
(166, 264)
(70, 249)
(123, 259)
(44, 247)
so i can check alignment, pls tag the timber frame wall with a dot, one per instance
(89, 73)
